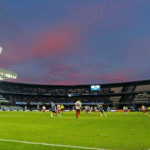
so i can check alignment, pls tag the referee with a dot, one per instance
(62, 108)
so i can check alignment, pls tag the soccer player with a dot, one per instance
(62, 108)
(91, 108)
(95, 109)
(108, 109)
(78, 107)
(43, 109)
(58, 110)
(99, 107)
(143, 109)
(126, 109)
(86, 108)
(53, 109)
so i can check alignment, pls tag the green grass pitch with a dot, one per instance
(117, 131)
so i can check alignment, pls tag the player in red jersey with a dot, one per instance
(95, 109)
(78, 107)
(58, 110)
(86, 108)
(43, 109)
(143, 109)
(91, 109)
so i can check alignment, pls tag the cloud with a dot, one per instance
(70, 75)
(96, 17)
(66, 53)
(137, 49)
(58, 42)
(111, 78)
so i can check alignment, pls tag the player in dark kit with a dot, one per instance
(88, 110)
(99, 107)
(53, 107)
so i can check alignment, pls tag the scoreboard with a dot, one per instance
(95, 87)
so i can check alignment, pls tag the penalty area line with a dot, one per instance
(47, 144)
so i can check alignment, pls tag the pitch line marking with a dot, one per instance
(47, 144)
(147, 114)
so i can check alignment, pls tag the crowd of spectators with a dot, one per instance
(48, 90)
(33, 90)
(42, 100)
(78, 90)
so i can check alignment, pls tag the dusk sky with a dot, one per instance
(69, 42)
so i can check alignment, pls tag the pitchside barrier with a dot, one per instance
(121, 110)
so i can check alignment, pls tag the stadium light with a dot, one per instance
(0, 49)
(6, 74)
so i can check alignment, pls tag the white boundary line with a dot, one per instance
(47, 144)
(147, 114)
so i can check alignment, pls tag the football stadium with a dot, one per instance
(24, 126)
(74, 75)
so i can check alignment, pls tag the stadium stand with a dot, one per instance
(3, 99)
(140, 99)
(5, 108)
(116, 89)
(115, 99)
(141, 88)
(16, 108)
(127, 93)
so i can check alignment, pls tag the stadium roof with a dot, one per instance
(6, 74)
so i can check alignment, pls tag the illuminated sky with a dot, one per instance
(75, 41)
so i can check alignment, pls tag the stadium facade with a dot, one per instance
(115, 94)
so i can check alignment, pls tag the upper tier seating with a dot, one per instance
(142, 88)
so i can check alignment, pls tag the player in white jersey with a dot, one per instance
(143, 109)
(78, 107)
(58, 110)
(43, 109)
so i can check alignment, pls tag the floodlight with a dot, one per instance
(0, 49)
(6, 74)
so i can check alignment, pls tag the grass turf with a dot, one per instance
(117, 131)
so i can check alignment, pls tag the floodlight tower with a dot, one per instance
(0, 49)
(6, 74)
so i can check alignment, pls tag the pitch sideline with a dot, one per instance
(57, 145)
(147, 114)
